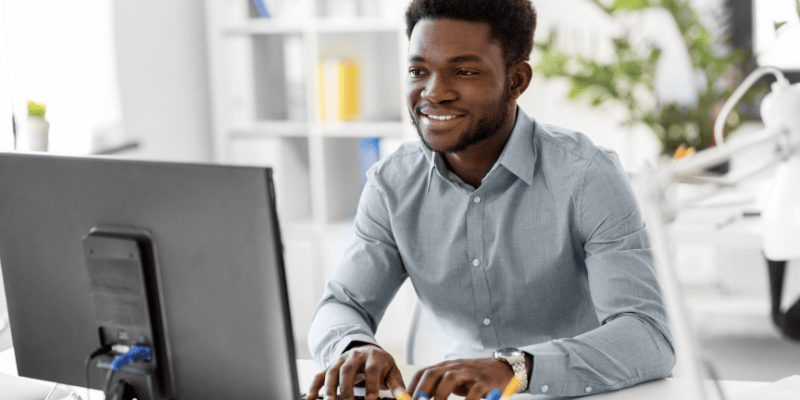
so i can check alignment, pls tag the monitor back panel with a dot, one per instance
(218, 256)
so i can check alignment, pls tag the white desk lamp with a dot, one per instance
(780, 112)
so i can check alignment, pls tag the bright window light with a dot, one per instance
(60, 54)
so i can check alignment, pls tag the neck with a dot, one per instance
(472, 164)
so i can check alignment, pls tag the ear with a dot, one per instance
(520, 75)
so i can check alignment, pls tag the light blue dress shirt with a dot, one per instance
(548, 255)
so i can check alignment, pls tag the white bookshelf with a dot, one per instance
(260, 70)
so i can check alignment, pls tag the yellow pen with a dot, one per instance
(512, 387)
(401, 394)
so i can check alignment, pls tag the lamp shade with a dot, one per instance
(781, 110)
(782, 213)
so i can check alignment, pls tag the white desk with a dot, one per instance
(664, 389)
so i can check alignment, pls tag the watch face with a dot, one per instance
(508, 352)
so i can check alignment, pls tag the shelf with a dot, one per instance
(289, 160)
(356, 25)
(269, 129)
(265, 27)
(393, 129)
(323, 25)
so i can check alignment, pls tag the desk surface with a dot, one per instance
(664, 389)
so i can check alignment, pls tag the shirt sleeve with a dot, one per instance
(633, 343)
(363, 284)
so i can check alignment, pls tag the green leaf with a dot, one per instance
(778, 25)
(630, 4)
(578, 88)
(36, 109)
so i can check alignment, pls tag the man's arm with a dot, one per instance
(634, 342)
(361, 287)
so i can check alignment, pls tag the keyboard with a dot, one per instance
(356, 398)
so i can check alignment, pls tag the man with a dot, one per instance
(514, 234)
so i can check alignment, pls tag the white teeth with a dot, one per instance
(442, 118)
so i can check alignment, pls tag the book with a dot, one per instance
(339, 98)
(261, 6)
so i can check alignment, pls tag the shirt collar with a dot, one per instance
(518, 155)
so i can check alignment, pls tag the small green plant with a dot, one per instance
(36, 109)
(630, 78)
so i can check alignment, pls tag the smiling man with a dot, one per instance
(522, 239)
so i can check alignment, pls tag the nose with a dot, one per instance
(438, 89)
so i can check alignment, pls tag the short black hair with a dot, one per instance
(512, 21)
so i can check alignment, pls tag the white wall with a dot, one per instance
(162, 68)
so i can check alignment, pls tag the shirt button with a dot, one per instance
(476, 263)
(487, 321)
(476, 199)
(588, 389)
(545, 388)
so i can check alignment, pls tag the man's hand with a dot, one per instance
(473, 379)
(364, 362)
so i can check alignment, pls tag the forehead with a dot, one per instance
(442, 37)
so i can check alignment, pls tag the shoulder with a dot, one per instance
(578, 148)
(551, 138)
(409, 163)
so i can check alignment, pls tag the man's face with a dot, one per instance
(457, 88)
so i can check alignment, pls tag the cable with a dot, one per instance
(89, 358)
(135, 354)
(107, 385)
(712, 373)
(51, 391)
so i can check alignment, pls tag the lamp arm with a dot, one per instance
(719, 124)
(714, 155)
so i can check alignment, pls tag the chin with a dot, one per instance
(438, 145)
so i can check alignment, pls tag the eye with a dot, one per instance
(465, 72)
(415, 72)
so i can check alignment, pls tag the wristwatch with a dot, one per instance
(516, 359)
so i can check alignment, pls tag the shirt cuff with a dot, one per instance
(549, 366)
(358, 337)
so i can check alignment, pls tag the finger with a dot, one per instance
(477, 392)
(412, 387)
(332, 381)
(316, 384)
(373, 377)
(360, 377)
(347, 375)
(394, 379)
(448, 383)
(428, 382)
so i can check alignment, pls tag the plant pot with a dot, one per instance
(36, 131)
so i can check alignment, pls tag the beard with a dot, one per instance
(486, 127)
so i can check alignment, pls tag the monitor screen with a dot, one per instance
(223, 298)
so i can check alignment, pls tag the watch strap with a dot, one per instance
(517, 364)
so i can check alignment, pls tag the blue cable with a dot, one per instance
(135, 354)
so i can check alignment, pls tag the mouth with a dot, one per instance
(444, 121)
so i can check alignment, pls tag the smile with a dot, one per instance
(442, 117)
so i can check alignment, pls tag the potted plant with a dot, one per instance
(630, 78)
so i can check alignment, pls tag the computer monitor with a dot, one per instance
(217, 257)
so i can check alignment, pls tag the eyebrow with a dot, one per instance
(453, 60)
